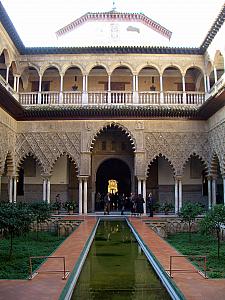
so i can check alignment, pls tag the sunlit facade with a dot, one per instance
(151, 118)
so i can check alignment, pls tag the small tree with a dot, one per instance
(15, 219)
(212, 223)
(188, 213)
(42, 212)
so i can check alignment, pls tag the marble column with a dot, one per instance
(14, 189)
(176, 197)
(85, 196)
(61, 89)
(39, 89)
(180, 194)
(44, 189)
(7, 74)
(184, 90)
(109, 88)
(161, 89)
(215, 74)
(80, 196)
(205, 83)
(85, 93)
(213, 191)
(209, 192)
(144, 195)
(48, 191)
(10, 189)
(139, 186)
(208, 82)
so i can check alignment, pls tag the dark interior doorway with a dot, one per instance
(113, 169)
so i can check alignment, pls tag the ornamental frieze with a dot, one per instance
(47, 147)
(176, 147)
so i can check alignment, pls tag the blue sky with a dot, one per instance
(37, 21)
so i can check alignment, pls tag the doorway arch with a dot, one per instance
(116, 169)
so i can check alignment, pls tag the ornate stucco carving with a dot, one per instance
(48, 147)
(176, 147)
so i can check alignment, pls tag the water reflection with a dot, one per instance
(117, 269)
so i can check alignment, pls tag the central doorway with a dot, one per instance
(112, 169)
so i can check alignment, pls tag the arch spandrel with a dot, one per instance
(176, 146)
(150, 65)
(49, 146)
(123, 129)
(113, 67)
(89, 67)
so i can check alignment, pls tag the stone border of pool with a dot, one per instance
(68, 289)
(170, 286)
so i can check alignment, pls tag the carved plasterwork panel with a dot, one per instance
(176, 147)
(7, 138)
(48, 147)
(217, 145)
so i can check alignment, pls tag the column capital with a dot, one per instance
(83, 177)
(141, 177)
(178, 177)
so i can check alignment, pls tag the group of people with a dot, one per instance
(116, 202)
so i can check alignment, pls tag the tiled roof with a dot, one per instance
(118, 17)
(214, 29)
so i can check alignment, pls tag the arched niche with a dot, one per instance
(73, 80)
(98, 79)
(160, 180)
(172, 79)
(112, 144)
(194, 181)
(29, 80)
(64, 180)
(148, 79)
(51, 80)
(194, 80)
(29, 181)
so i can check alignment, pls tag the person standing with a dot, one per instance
(107, 201)
(140, 201)
(150, 204)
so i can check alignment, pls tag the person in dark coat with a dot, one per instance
(150, 204)
(140, 201)
(107, 201)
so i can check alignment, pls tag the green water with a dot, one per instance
(117, 269)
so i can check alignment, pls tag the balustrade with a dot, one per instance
(149, 97)
(72, 98)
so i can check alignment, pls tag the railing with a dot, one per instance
(33, 274)
(72, 98)
(118, 97)
(112, 98)
(195, 98)
(97, 98)
(173, 98)
(169, 272)
(149, 98)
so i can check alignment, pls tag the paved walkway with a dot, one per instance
(49, 286)
(192, 285)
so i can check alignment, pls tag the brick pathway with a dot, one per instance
(49, 286)
(192, 285)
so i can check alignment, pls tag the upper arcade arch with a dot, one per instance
(152, 66)
(101, 66)
(122, 65)
(194, 79)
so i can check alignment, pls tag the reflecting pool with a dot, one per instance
(117, 269)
